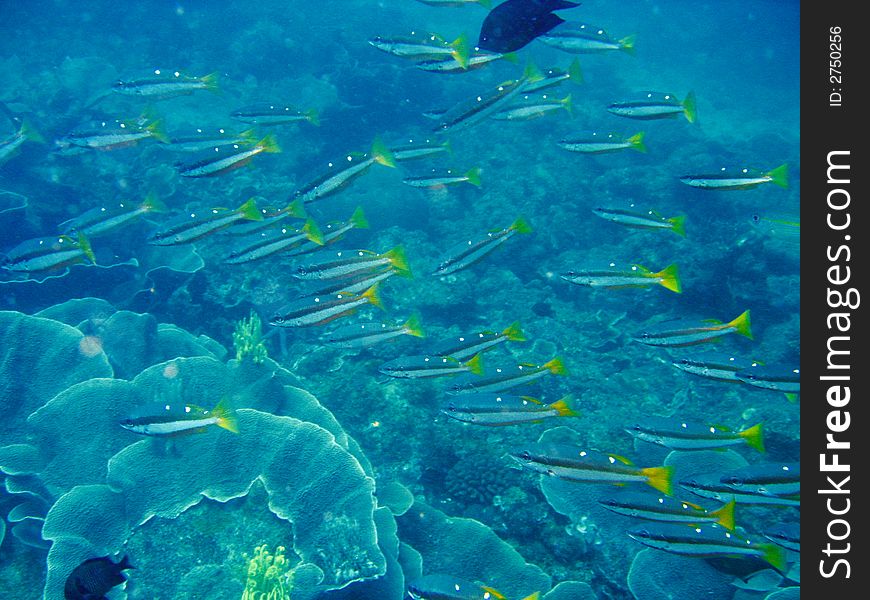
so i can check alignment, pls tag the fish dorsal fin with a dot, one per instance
(532, 400)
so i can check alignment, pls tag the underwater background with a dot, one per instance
(349, 482)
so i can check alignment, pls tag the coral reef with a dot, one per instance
(248, 339)
(269, 575)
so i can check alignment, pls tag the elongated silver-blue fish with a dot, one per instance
(473, 111)
(682, 434)
(465, 346)
(505, 409)
(739, 179)
(685, 333)
(236, 156)
(166, 84)
(318, 310)
(104, 219)
(502, 379)
(269, 243)
(197, 225)
(472, 250)
(363, 335)
(656, 105)
(167, 419)
(340, 174)
(274, 113)
(664, 508)
(705, 540)
(429, 365)
(582, 38)
(601, 143)
(765, 483)
(643, 220)
(44, 254)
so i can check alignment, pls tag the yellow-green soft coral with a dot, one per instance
(248, 339)
(269, 575)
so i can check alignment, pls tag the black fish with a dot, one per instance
(94, 578)
(513, 24)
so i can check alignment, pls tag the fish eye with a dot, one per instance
(127, 423)
(277, 319)
(756, 218)
(733, 480)
(525, 455)
(684, 361)
(451, 408)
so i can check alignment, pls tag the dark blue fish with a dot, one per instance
(94, 578)
(513, 24)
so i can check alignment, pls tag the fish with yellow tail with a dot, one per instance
(681, 434)
(543, 79)
(47, 254)
(341, 173)
(424, 47)
(583, 38)
(657, 105)
(447, 587)
(166, 84)
(494, 410)
(430, 365)
(466, 346)
(571, 463)
(503, 379)
(738, 179)
(349, 263)
(664, 508)
(706, 540)
(318, 310)
(686, 333)
(107, 218)
(364, 335)
(197, 225)
(472, 250)
(171, 419)
(635, 276)
(234, 157)
(650, 219)
(595, 142)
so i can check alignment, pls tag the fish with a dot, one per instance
(332, 232)
(439, 179)
(515, 23)
(197, 225)
(657, 105)
(466, 346)
(425, 46)
(95, 577)
(773, 377)
(787, 535)
(52, 253)
(503, 409)
(636, 276)
(650, 219)
(236, 157)
(582, 38)
(269, 243)
(576, 464)
(740, 179)
(166, 419)
(10, 145)
(667, 509)
(272, 218)
(430, 365)
(346, 264)
(533, 106)
(416, 150)
(706, 540)
(340, 175)
(447, 587)
(104, 219)
(112, 135)
(474, 61)
(201, 140)
(318, 310)
(473, 111)
(786, 228)
(765, 483)
(539, 80)
(685, 333)
(364, 335)
(272, 113)
(601, 143)
(681, 434)
(713, 365)
(354, 285)
(473, 250)
(166, 85)
(502, 379)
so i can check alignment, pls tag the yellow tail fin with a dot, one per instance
(374, 297)
(563, 406)
(358, 219)
(753, 437)
(413, 327)
(779, 175)
(626, 44)
(249, 211)
(670, 279)
(774, 555)
(521, 226)
(382, 154)
(678, 225)
(210, 82)
(636, 141)
(556, 366)
(269, 144)
(399, 261)
(742, 325)
(514, 333)
(689, 108)
(725, 514)
(475, 364)
(313, 232)
(660, 478)
(226, 418)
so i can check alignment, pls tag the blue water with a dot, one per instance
(71, 375)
